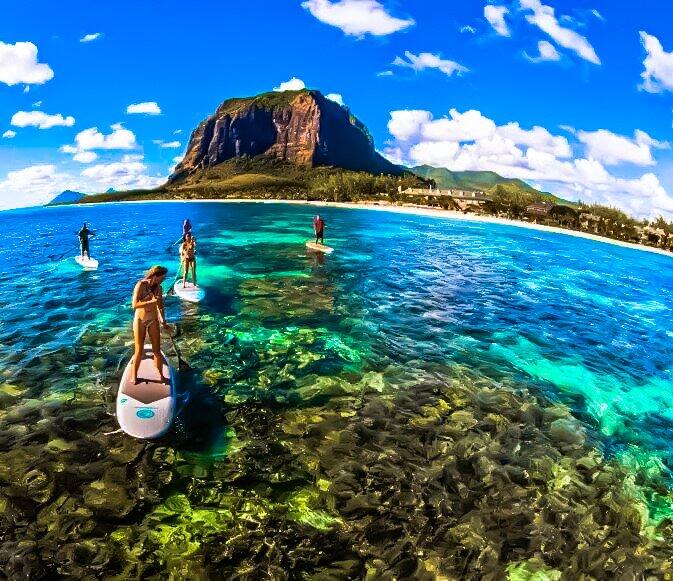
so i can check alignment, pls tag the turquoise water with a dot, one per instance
(295, 357)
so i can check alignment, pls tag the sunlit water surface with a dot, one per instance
(286, 332)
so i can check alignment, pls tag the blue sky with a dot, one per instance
(576, 97)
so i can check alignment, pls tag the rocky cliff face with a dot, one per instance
(300, 127)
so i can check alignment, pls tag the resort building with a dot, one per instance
(464, 199)
(539, 209)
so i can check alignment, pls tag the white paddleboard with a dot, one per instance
(189, 293)
(319, 248)
(146, 410)
(87, 263)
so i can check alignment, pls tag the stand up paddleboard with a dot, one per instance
(146, 410)
(319, 248)
(189, 293)
(86, 263)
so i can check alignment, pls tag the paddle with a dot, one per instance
(174, 243)
(182, 364)
(54, 256)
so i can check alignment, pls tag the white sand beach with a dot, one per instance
(413, 210)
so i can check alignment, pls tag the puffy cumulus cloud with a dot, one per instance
(544, 18)
(121, 175)
(495, 15)
(9, 134)
(144, 108)
(294, 84)
(658, 73)
(18, 64)
(406, 124)
(357, 17)
(471, 141)
(85, 156)
(32, 186)
(336, 97)
(547, 52)
(90, 37)
(427, 60)
(41, 120)
(612, 149)
(92, 139)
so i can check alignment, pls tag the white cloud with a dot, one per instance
(658, 73)
(85, 156)
(41, 120)
(129, 157)
(18, 64)
(597, 14)
(37, 104)
(385, 74)
(167, 144)
(471, 141)
(294, 84)
(468, 29)
(543, 17)
(336, 97)
(178, 159)
(357, 17)
(121, 175)
(612, 149)
(547, 53)
(496, 18)
(90, 37)
(177, 132)
(32, 186)
(91, 138)
(26, 89)
(9, 134)
(426, 60)
(145, 108)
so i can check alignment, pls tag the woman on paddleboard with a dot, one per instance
(186, 228)
(149, 318)
(188, 258)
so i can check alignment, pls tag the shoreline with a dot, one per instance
(409, 210)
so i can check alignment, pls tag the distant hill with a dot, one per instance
(302, 128)
(467, 180)
(67, 197)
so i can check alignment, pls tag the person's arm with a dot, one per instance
(162, 308)
(136, 302)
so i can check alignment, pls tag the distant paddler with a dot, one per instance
(188, 258)
(319, 229)
(84, 235)
(149, 318)
(186, 228)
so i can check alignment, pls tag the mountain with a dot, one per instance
(468, 180)
(110, 191)
(67, 197)
(302, 128)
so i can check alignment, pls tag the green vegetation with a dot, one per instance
(267, 178)
(468, 180)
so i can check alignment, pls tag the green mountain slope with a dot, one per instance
(467, 180)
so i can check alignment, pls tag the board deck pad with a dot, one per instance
(319, 247)
(146, 410)
(86, 263)
(189, 293)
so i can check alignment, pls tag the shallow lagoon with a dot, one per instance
(434, 397)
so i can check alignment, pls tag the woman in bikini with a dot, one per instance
(188, 256)
(148, 303)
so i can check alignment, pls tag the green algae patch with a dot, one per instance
(531, 570)
(302, 507)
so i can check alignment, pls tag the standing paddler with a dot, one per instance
(84, 234)
(186, 228)
(319, 229)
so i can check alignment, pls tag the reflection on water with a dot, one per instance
(434, 398)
